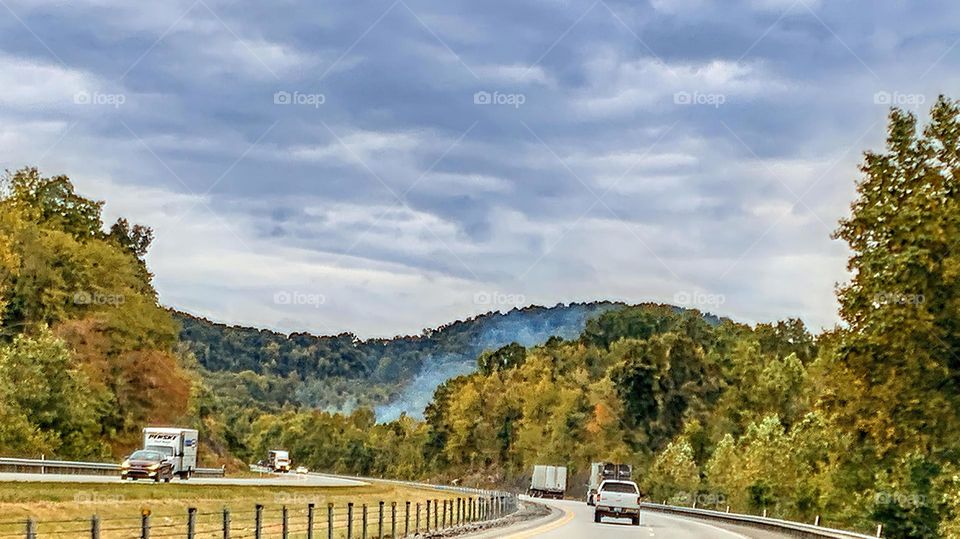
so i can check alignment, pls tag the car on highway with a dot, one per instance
(302, 470)
(147, 464)
(618, 499)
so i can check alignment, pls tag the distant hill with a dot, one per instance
(340, 372)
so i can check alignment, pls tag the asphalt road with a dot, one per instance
(575, 521)
(284, 480)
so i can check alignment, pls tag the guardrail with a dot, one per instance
(794, 529)
(66, 467)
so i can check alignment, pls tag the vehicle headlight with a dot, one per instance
(154, 467)
(125, 465)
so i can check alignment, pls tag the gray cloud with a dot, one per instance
(630, 151)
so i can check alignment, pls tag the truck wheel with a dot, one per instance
(597, 516)
(636, 521)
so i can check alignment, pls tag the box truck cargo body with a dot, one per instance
(548, 482)
(179, 445)
(600, 471)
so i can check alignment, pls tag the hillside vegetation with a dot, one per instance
(859, 424)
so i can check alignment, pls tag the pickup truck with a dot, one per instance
(618, 499)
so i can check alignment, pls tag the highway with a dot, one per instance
(267, 480)
(574, 520)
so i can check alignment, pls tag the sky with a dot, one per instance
(385, 166)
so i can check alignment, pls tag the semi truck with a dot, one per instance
(548, 482)
(600, 471)
(178, 445)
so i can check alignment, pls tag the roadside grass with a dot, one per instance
(65, 509)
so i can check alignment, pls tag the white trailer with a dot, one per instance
(599, 471)
(548, 482)
(180, 446)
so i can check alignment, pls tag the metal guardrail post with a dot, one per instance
(350, 520)
(436, 514)
(191, 522)
(226, 523)
(310, 521)
(443, 523)
(417, 530)
(428, 516)
(406, 520)
(31, 528)
(284, 523)
(258, 522)
(879, 530)
(94, 527)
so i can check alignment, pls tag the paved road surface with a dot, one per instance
(576, 522)
(285, 480)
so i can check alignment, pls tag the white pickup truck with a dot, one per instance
(618, 499)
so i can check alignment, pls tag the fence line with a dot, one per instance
(382, 520)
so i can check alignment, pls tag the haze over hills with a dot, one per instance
(397, 376)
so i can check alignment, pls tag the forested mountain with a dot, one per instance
(340, 372)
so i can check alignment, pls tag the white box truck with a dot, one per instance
(599, 471)
(179, 445)
(279, 460)
(548, 482)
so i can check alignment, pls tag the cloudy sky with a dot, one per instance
(385, 166)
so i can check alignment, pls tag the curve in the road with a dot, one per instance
(577, 522)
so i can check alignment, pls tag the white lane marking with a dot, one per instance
(701, 523)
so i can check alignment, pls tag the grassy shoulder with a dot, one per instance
(66, 508)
